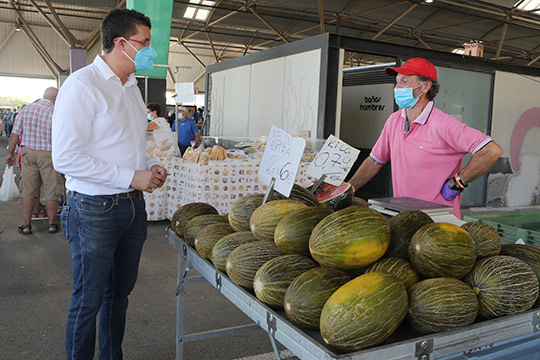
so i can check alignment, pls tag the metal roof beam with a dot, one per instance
(231, 13)
(212, 45)
(503, 35)
(6, 39)
(96, 33)
(52, 24)
(321, 15)
(265, 22)
(65, 30)
(395, 20)
(38, 46)
(192, 54)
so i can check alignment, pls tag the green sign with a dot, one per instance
(160, 14)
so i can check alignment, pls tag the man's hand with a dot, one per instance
(146, 181)
(10, 159)
(448, 191)
(160, 172)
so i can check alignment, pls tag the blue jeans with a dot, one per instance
(106, 235)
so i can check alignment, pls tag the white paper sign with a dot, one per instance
(185, 92)
(334, 160)
(281, 160)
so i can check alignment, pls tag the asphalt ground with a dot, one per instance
(35, 290)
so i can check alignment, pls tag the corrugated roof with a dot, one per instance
(442, 25)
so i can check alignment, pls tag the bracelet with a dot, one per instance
(460, 182)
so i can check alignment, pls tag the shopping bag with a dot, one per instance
(9, 190)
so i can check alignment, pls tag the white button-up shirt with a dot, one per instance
(99, 131)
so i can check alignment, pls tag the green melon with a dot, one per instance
(335, 197)
(242, 209)
(401, 268)
(198, 223)
(350, 238)
(442, 250)
(504, 285)
(293, 230)
(187, 212)
(228, 243)
(486, 238)
(209, 236)
(299, 193)
(274, 277)
(264, 220)
(244, 261)
(402, 228)
(307, 294)
(364, 312)
(441, 304)
(528, 253)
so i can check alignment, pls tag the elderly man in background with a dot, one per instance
(188, 133)
(35, 122)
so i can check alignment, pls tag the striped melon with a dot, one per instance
(264, 220)
(299, 193)
(209, 236)
(364, 311)
(293, 230)
(441, 304)
(242, 209)
(442, 250)
(504, 285)
(350, 238)
(401, 268)
(486, 238)
(402, 228)
(244, 261)
(528, 253)
(228, 243)
(187, 212)
(274, 277)
(198, 223)
(307, 294)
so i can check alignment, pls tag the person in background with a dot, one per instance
(155, 120)
(187, 132)
(33, 129)
(162, 135)
(102, 152)
(424, 145)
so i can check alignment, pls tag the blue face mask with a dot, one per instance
(404, 97)
(144, 59)
(149, 117)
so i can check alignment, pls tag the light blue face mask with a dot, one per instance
(144, 59)
(149, 117)
(404, 97)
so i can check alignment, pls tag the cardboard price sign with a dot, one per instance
(334, 160)
(281, 160)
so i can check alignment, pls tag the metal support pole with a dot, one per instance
(180, 307)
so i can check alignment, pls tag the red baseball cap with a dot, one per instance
(415, 66)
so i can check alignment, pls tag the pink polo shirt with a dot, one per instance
(429, 154)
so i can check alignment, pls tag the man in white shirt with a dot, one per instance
(98, 142)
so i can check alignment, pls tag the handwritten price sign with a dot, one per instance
(334, 160)
(281, 160)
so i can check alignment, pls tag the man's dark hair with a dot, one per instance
(154, 107)
(434, 87)
(121, 22)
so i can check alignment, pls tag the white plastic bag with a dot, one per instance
(9, 190)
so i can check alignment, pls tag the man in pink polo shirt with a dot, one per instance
(425, 145)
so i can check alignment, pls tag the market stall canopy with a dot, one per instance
(5, 103)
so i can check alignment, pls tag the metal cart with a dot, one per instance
(510, 337)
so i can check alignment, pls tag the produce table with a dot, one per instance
(510, 337)
(219, 184)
